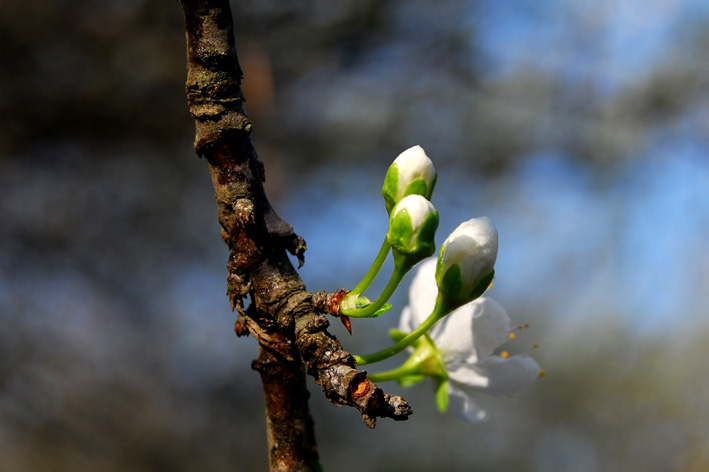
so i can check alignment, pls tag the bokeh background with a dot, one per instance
(581, 128)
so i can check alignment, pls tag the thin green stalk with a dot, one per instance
(373, 270)
(369, 310)
(393, 374)
(439, 311)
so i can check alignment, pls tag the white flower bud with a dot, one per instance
(411, 173)
(466, 262)
(412, 228)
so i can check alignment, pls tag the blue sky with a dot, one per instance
(630, 239)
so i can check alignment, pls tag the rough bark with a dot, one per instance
(283, 316)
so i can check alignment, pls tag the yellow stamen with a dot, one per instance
(535, 346)
(504, 354)
(526, 325)
(512, 335)
(542, 373)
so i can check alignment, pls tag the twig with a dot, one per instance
(292, 336)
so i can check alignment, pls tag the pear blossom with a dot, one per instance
(412, 172)
(464, 360)
(466, 261)
(412, 228)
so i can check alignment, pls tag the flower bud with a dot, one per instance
(466, 262)
(412, 173)
(412, 228)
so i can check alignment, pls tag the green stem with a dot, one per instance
(439, 311)
(369, 310)
(374, 270)
(393, 374)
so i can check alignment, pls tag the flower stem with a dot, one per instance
(369, 310)
(373, 270)
(393, 374)
(439, 311)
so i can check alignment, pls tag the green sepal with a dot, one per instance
(400, 231)
(481, 286)
(452, 281)
(450, 286)
(442, 396)
(407, 255)
(417, 187)
(433, 185)
(353, 308)
(362, 301)
(426, 244)
(391, 184)
(386, 307)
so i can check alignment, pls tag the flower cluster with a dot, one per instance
(460, 350)
(451, 330)
(467, 262)
(413, 221)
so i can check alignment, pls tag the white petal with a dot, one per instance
(497, 376)
(472, 332)
(413, 163)
(423, 291)
(417, 207)
(406, 321)
(467, 377)
(490, 327)
(461, 405)
(454, 337)
(473, 246)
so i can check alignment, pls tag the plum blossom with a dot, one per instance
(466, 261)
(412, 227)
(463, 361)
(412, 172)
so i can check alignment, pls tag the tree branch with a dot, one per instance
(291, 333)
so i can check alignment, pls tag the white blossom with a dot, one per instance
(412, 172)
(466, 259)
(466, 341)
(412, 226)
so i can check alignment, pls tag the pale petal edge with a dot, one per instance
(454, 337)
(491, 327)
(497, 376)
(423, 291)
(462, 406)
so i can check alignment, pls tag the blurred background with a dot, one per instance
(580, 128)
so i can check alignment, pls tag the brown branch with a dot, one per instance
(292, 335)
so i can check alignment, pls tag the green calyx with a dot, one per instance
(428, 358)
(392, 194)
(416, 243)
(425, 361)
(450, 282)
(390, 188)
(450, 286)
(400, 232)
(354, 305)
